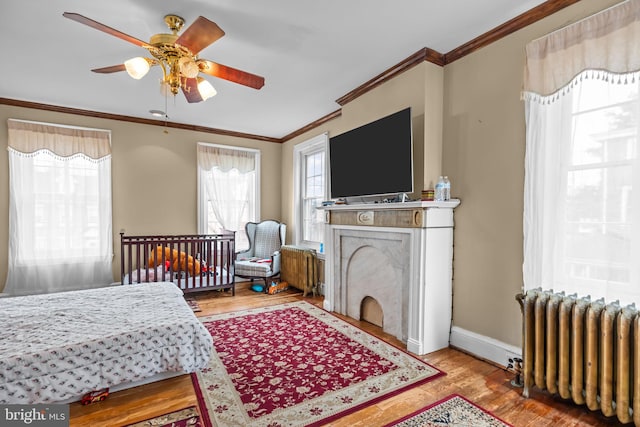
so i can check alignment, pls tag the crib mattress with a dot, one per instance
(59, 346)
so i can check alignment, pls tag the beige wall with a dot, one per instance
(484, 146)
(153, 176)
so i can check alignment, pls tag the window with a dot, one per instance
(581, 230)
(60, 208)
(228, 179)
(599, 179)
(580, 206)
(64, 200)
(310, 169)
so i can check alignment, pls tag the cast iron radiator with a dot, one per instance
(299, 268)
(583, 350)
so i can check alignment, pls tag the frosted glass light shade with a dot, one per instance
(205, 89)
(188, 67)
(137, 67)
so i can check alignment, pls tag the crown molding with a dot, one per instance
(312, 125)
(137, 120)
(424, 54)
(521, 21)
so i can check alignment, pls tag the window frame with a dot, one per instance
(553, 222)
(82, 266)
(314, 145)
(202, 208)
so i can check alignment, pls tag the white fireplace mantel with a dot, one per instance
(401, 255)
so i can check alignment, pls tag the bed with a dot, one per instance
(57, 347)
(192, 262)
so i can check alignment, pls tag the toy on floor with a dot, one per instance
(277, 287)
(256, 287)
(95, 396)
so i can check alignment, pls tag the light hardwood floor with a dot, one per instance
(483, 383)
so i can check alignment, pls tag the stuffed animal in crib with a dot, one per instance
(181, 262)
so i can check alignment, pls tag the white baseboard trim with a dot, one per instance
(414, 346)
(483, 347)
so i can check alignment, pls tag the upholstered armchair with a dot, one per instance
(262, 259)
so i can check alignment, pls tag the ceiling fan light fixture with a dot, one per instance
(205, 89)
(188, 67)
(177, 55)
(137, 67)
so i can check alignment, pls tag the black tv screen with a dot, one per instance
(373, 160)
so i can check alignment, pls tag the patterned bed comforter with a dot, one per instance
(59, 346)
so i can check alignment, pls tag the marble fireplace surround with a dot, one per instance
(374, 264)
(399, 254)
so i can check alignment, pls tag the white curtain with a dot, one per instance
(60, 234)
(229, 180)
(581, 215)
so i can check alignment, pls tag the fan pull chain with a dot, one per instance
(166, 115)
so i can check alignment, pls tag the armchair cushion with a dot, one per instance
(250, 268)
(267, 239)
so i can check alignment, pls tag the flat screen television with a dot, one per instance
(375, 159)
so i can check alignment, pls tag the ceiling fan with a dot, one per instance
(177, 55)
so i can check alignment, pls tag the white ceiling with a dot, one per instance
(309, 52)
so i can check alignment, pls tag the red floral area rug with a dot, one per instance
(183, 418)
(297, 365)
(453, 410)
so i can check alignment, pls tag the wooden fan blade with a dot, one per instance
(98, 26)
(231, 74)
(199, 35)
(190, 90)
(111, 69)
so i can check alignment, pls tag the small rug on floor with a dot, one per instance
(193, 304)
(182, 418)
(453, 410)
(297, 365)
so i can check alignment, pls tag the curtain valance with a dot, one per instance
(225, 159)
(30, 137)
(600, 43)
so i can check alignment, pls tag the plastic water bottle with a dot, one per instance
(439, 193)
(447, 189)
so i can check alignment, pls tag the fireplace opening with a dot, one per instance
(371, 311)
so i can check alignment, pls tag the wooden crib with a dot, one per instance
(192, 262)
